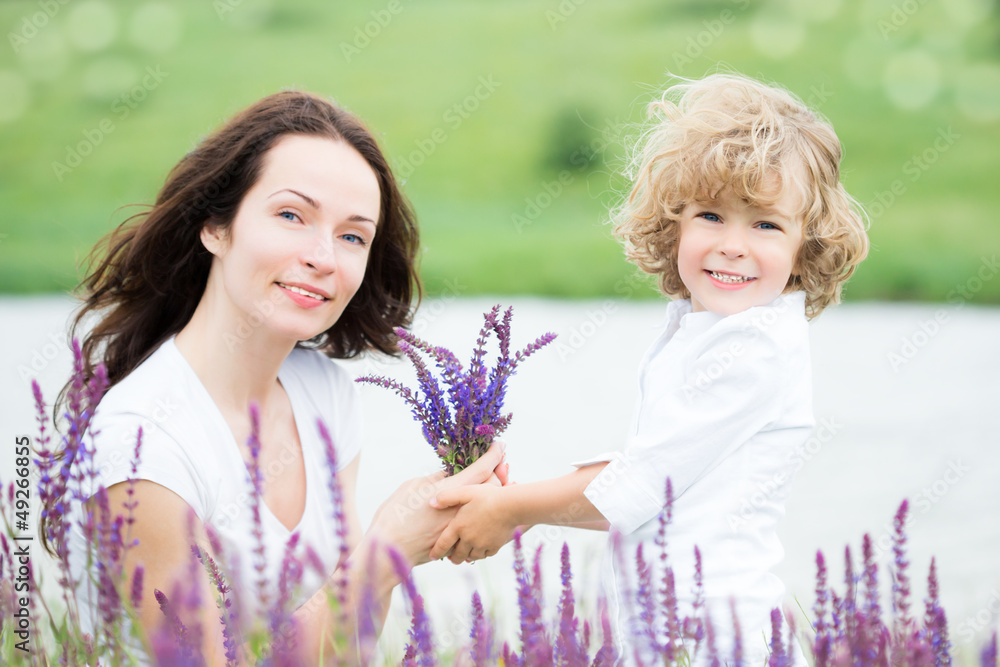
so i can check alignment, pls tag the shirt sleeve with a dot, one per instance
(731, 390)
(162, 459)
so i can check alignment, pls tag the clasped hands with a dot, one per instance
(457, 517)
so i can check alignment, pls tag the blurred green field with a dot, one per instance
(507, 120)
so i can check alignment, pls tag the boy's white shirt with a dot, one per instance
(724, 409)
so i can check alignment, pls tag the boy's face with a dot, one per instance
(733, 256)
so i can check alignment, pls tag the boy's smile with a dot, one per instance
(733, 256)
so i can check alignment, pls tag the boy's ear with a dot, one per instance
(214, 237)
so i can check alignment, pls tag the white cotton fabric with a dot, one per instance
(724, 409)
(189, 448)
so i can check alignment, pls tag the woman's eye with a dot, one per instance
(354, 238)
(288, 215)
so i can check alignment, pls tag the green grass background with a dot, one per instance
(574, 77)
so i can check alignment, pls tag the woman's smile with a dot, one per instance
(307, 298)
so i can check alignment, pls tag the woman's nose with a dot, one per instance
(321, 256)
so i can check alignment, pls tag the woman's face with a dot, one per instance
(296, 251)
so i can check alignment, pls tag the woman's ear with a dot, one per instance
(215, 238)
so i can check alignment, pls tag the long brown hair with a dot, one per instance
(152, 270)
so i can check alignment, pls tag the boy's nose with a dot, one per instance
(733, 244)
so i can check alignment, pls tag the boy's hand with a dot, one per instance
(481, 526)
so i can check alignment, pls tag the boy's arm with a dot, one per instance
(491, 514)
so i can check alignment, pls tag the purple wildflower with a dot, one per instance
(873, 642)
(607, 655)
(900, 580)
(256, 498)
(533, 641)
(667, 592)
(339, 521)
(737, 636)
(713, 651)
(988, 657)
(821, 643)
(460, 420)
(646, 643)
(778, 657)
(420, 631)
(693, 626)
(137, 577)
(281, 622)
(131, 503)
(936, 627)
(230, 623)
(568, 650)
(185, 649)
(481, 634)
(108, 562)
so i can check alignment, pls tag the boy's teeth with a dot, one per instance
(299, 290)
(726, 278)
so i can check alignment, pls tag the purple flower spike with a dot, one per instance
(988, 657)
(481, 635)
(713, 651)
(256, 500)
(821, 643)
(647, 607)
(339, 520)
(422, 654)
(533, 639)
(900, 579)
(737, 636)
(607, 655)
(184, 650)
(136, 597)
(569, 651)
(778, 657)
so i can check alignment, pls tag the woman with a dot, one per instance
(279, 239)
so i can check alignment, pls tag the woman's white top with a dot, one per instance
(189, 448)
(724, 410)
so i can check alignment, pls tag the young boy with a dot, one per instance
(738, 209)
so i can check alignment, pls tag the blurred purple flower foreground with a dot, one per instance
(461, 419)
(849, 629)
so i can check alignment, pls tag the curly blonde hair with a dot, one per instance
(728, 130)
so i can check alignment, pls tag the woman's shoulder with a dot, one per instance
(156, 389)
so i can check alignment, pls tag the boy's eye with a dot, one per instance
(768, 225)
(711, 217)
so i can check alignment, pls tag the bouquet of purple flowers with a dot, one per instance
(460, 420)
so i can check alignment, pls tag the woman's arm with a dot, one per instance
(163, 549)
(404, 521)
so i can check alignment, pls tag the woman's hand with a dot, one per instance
(407, 521)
